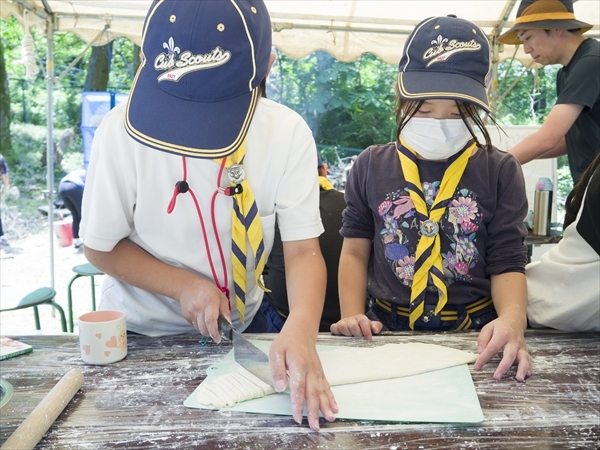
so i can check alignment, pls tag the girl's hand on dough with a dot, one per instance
(359, 325)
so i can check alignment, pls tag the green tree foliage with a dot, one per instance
(5, 114)
(99, 69)
(529, 101)
(28, 97)
(347, 105)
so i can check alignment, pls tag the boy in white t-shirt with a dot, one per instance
(187, 180)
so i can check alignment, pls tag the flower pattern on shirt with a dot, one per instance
(400, 232)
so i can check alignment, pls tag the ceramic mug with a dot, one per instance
(103, 337)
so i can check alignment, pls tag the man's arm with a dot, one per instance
(201, 300)
(559, 149)
(549, 140)
(293, 350)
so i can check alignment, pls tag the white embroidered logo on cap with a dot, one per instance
(443, 50)
(187, 62)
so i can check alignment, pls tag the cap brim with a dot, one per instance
(189, 128)
(511, 37)
(451, 86)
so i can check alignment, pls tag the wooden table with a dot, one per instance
(137, 403)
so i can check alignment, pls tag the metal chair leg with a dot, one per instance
(36, 314)
(82, 270)
(93, 293)
(63, 320)
(70, 302)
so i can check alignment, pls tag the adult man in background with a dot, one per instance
(70, 189)
(275, 305)
(550, 33)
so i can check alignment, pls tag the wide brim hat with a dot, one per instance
(445, 58)
(197, 90)
(545, 15)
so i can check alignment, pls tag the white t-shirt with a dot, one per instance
(129, 187)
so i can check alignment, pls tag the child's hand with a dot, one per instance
(506, 335)
(295, 353)
(357, 326)
(201, 303)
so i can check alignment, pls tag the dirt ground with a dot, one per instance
(25, 266)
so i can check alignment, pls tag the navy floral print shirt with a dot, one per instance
(482, 231)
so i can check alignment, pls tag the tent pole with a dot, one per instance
(496, 48)
(494, 76)
(49, 137)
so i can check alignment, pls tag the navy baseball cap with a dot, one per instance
(196, 92)
(445, 58)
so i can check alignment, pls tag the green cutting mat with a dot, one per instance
(441, 396)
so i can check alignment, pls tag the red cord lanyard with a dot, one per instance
(181, 187)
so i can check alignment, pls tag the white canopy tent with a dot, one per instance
(344, 28)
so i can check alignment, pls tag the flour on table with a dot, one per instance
(346, 365)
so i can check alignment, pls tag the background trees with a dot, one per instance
(5, 112)
(347, 105)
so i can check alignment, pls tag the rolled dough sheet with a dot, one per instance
(341, 365)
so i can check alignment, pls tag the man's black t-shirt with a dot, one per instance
(579, 83)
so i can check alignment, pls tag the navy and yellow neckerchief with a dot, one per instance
(428, 259)
(325, 184)
(246, 228)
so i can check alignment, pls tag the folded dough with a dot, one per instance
(342, 366)
(232, 388)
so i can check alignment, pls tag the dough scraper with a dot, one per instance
(245, 353)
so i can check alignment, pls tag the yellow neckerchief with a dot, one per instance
(246, 227)
(325, 184)
(428, 259)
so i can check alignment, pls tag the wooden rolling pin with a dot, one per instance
(33, 428)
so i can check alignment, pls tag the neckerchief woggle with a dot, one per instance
(428, 259)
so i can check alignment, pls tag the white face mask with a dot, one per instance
(435, 139)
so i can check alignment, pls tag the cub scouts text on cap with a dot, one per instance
(196, 92)
(445, 58)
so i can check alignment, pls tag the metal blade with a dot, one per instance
(225, 328)
(251, 358)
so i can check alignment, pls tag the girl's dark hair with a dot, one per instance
(406, 109)
(575, 197)
(263, 88)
